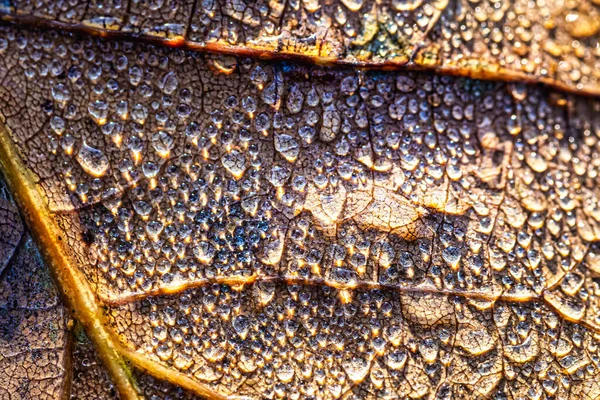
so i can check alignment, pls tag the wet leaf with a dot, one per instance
(33, 338)
(239, 227)
(553, 42)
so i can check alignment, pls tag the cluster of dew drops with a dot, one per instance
(179, 198)
(166, 161)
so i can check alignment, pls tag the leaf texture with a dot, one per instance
(34, 343)
(244, 228)
(550, 41)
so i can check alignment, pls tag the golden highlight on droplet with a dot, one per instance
(345, 296)
(137, 157)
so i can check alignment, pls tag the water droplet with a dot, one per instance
(99, 111)
(168, 84)
(183, 361)
(3, 45)
(518, 91)
(241, 325)
(57, 124)
(265, 292)
(452, 256)
(357, 368)
(61, 93)
(405, 83)
(92, 160)
(536, 161)
(150, 169)
(287, 146)
(572, 283)
(429, 349)
(204, 252)
(154, 228)
(514, 125)
(396, 359)
(235, 163)
(285, 373)
(294, 100)
(163, 143)
(406, 5)
(353, 5)
(580, 25)
(142, 208)
(331, 124)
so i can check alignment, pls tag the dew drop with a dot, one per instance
(518, 91)
(57, 124)
(169, 83)
(3, 45)
(429, 350)
(536, 161)
(356, 368)
(294, 100)
(234, 163)
(396, 360)
(204, 252)
(287, 147)
(241, 325)
(452, 256)
(514, 125)
(98, 111)
(142, 208)
(93, 161)
(353, 5)
(150, 169)
(581, 25)
(285, 373)
(405, 83)
(154, 228)
(61, 93)
(163, 143)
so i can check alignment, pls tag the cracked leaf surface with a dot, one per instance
(266, 229)
(33, 338)
(551, 41)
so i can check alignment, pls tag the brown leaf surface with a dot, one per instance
(550, 41)
(91, 380)
(240, 227)
(34, 359)
(39, 358)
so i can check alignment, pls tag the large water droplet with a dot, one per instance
(285, 373)
(396, 360)
(235, 163)
(57, 124)
(452, 256)
(287, 146)
(356, 368)
(429, 350)
(294, 100)
(536, 161)
(204, 252)
(92, 160)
